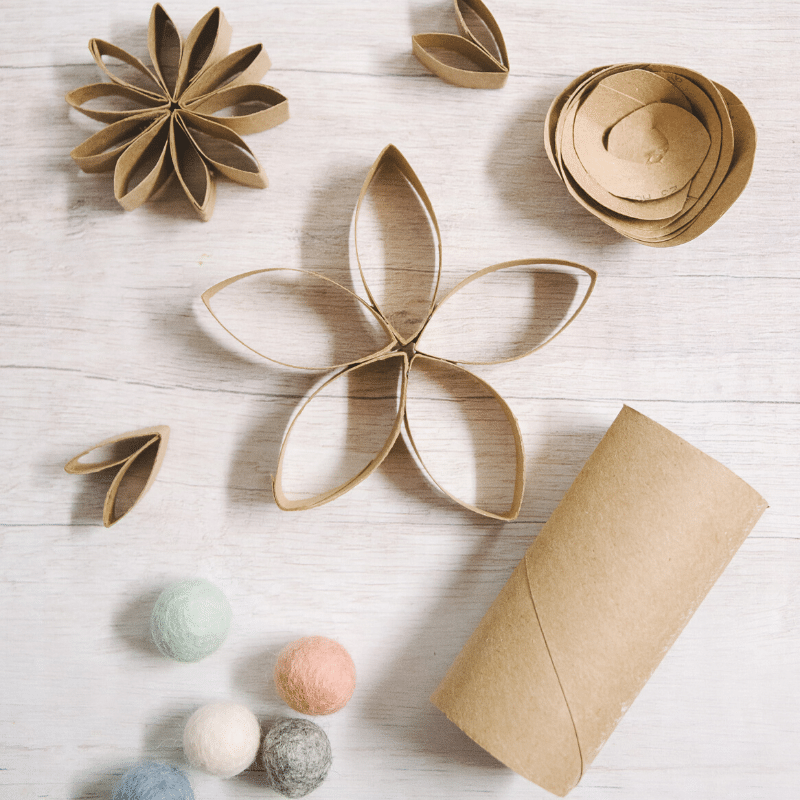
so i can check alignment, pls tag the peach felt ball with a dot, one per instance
(315, 675)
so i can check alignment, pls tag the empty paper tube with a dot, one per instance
(618, 570)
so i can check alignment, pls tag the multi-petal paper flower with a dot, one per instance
(657, 152)
(166, 121)
(411, 335)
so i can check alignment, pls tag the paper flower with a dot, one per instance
(138, 455)
(657, 152)
(475, 60)
(164, 121)
(400, 343)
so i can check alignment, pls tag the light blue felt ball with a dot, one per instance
(190, 620)
(153, 781)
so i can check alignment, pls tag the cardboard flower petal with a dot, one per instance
(137, 454)
(480, 45)
(165, 122)
(399, 348)
(657, 152)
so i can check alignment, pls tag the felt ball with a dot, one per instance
(315, 675)
(222, 738)
(296, 755)
(190, 620)
(153, 781)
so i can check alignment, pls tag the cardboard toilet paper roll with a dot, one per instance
(618, 570)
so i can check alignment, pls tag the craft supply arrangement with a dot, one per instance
(518, 563)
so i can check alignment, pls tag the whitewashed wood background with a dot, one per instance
(103, 332)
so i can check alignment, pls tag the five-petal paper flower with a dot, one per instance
(408, 343)
(165, 121)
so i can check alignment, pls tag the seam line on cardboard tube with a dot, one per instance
(555, 670)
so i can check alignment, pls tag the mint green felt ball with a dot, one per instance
(190, 620)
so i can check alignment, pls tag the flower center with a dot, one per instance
(409, 349)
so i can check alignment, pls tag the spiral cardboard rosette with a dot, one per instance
(657, 152)
(601, 595)
(477, 59)
(165, 122)
(398, 351)
(137, 455)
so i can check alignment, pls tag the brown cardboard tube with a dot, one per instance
(635, 545)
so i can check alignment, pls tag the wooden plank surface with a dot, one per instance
(103, 331)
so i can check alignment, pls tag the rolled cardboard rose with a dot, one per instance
(657, 152)
(618, 570)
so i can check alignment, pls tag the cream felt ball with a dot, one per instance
(150, 780)
(222, 738)
(190, 620)
(315, 675)
(296, 755)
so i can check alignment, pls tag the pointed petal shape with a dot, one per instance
(138, 453)
(191, 168)
(398, 245)
(476, 22)
(165, 46)
(247, 65)
(465, 438)
(127, 102)
(144, 166)
(255, 107)
(298, 319)
(207, 43)
(220, 147)
(353, 420)
(507, 311)
(147, 82)
(101, 151)
(459, 61)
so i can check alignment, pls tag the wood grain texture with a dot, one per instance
(103, 332)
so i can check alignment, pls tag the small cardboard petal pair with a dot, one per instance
(169, 126)
(477, 59)
(400, 336)
(137, 454)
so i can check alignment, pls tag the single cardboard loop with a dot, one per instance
(100, 152)
(144, 166)
(639, 539)
(452, 416)
(139, 455)
(477, 59)
(525, 304)
(303, 314)
(191, 168)
(369, 401)
(208, 42)
(125, 102)
(298, 319)
(186, 87)
(254, 108)
(165, 47)
(395, 226)
(146, 82)
(647, 148)
(244, 66)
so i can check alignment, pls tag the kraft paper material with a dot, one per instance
(657, 152)
(137, 454)
(477, 59)
(395, 348)
(635, 545)
(173, 128)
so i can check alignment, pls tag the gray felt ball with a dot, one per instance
(297, 756)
